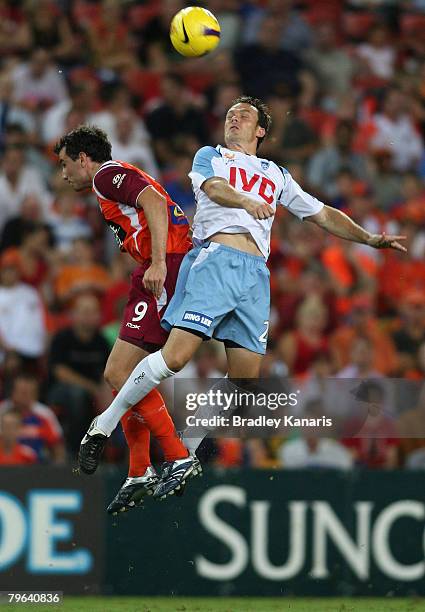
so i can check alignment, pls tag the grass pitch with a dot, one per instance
(224, 604)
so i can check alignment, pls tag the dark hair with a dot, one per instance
(264, 117)
(86, 139)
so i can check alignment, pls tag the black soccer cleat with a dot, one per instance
(91, 448)
(174, 475)
(133, 491)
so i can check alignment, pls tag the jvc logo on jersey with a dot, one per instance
(118, 179)
(266, 187)
(197, 317)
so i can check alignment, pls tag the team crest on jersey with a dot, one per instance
(118, 179)
(265, 164)
(228, 158)
(177, 215)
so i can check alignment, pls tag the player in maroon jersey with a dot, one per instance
(154, 231)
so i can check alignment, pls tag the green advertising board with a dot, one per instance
(275, 533)
(254, 533)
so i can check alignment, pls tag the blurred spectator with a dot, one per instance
(10, 112)
(33, 254)
(131, 143)
(265, 67)
(81, 100)
(15, 229)
(292, 32)
(174, 118)
(411, 431)
(38, 83)
(78, 357)
(314, 452)
(82, 274)
(13, 452)
(396, 131)
(325, 165)
(14, 35)
(179, 185)
(312, 449)
(114, 98)
(374, 440)
(152, 38)
(17, 181)
(51, 29)
(387, 188)
(292, 139)
(22, 320)
(300, 348)
(378, 54)
(333, 66)
(229, 452)
(411, 331)
(39, 429)
(361, 360)
(67, 222)
(363, 324)
(109, 38)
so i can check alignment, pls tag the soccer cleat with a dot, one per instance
(133, 491)
(174, 475)
(91, 448)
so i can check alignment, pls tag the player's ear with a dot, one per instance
(261, 132)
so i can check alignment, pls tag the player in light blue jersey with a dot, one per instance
(223, 285)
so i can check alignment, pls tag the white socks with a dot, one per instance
(146, 375)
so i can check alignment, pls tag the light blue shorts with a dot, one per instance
(222, 293)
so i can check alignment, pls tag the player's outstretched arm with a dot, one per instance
(338, 223)
(155, 208)
(219, 191)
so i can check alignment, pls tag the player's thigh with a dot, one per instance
(243, 363)
(180, 348)
(121, 362)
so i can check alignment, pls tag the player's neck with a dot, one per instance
(247, 148)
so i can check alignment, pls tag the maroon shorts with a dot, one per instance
(142, 315)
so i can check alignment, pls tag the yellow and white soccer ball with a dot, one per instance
(194, 31)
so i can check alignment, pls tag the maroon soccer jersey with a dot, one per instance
(117, 186)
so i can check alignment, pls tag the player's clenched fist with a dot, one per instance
(154, 278)
(259, 211)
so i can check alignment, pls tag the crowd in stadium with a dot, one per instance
(345, 83)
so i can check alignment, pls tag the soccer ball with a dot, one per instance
(194, 31)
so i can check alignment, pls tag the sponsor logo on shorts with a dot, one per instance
(139, 378)
(133, 326)
(118, 179)
(197, 317)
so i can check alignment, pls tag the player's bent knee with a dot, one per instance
(177, 360)
(114, 377)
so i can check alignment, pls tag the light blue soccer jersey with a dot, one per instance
(261, 179)
(223, 292)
